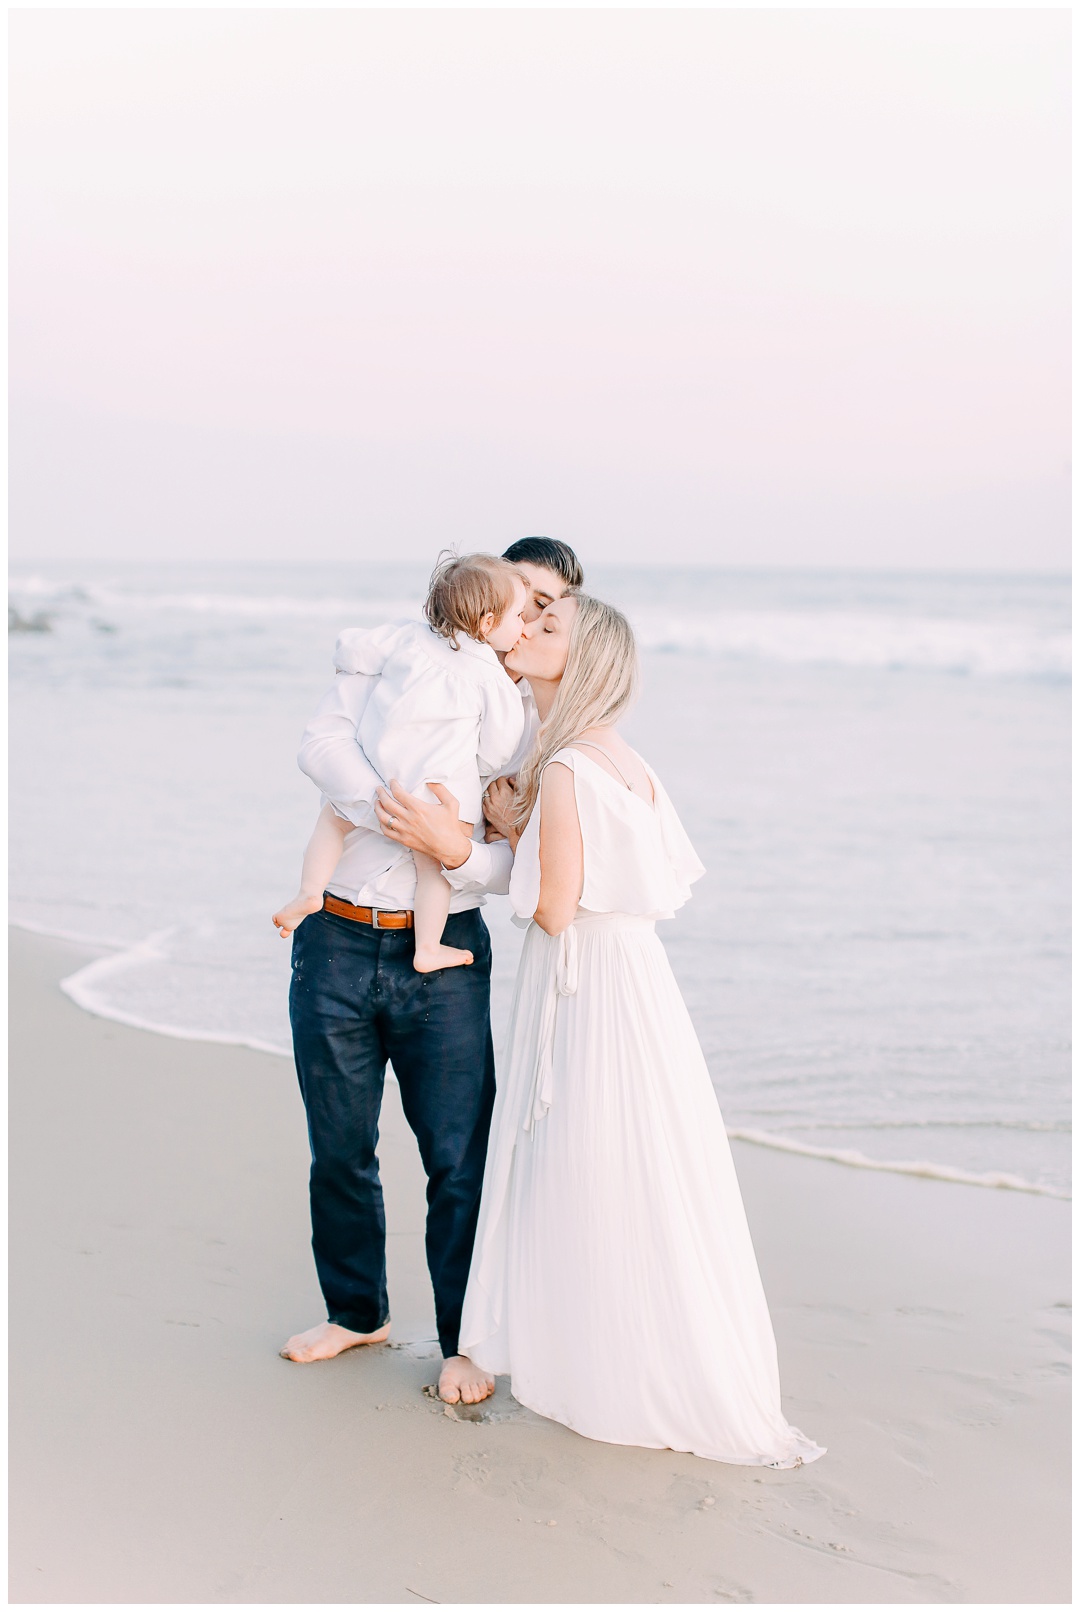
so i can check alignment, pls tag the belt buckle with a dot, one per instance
(376, 914)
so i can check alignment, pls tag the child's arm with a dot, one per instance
(502, 722)
(367, 649)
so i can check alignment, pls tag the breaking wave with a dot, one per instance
(957, 646)
(1000, 1179)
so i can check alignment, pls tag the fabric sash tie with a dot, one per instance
(565, 983)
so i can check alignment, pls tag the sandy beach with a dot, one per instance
(163, 1452)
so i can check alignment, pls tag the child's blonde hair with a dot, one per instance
(464, 590)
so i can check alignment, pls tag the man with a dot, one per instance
(547, 565)
(551, 569)
(356, 1003)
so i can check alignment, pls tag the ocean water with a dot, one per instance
(874, 769)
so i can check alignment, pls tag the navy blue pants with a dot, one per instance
(355, 1002)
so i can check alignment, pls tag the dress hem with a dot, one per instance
(803, 1454)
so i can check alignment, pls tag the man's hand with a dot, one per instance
(422, 826)
(498, 799)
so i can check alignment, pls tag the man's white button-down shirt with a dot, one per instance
(373, 871)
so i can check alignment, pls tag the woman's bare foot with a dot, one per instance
(327, 1340)
(294, 912)
(428, 958)
(461, 1380)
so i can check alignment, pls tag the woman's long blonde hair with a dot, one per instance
(599, 683)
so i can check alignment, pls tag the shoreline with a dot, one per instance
(77, 987)
(161, 1451)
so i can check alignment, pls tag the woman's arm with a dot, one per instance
(562, 856)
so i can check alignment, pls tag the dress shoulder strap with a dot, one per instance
(605, 752)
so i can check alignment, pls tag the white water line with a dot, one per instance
(859, 1161)
(83, 988)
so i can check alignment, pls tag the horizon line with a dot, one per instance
(807, 568)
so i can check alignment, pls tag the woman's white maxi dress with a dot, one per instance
(613, 1274)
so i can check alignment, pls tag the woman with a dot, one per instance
(613, 1274)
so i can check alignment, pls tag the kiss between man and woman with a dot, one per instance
(585, 1229)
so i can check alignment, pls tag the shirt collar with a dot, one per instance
(472, 646)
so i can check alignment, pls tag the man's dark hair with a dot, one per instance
(550, 553)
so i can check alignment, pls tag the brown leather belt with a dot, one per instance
(367, 915)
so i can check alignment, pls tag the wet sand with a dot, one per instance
(162, 1452)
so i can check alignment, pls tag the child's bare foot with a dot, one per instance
(327, 1340)
(294, 913)
(428, 958)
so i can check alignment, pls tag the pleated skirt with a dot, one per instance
(613, 1274)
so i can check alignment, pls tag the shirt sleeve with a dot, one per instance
(330, 753)
(367, 649)
(502, 723)
(485, 871)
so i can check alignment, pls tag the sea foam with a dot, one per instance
(856, 1160)
(89, 988)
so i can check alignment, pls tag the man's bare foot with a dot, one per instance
(428, 958)
(294, 912)
(460, 1380)
(327, 1340)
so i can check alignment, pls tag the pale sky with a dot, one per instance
(748, 287)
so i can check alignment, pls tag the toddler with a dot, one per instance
(442, 711)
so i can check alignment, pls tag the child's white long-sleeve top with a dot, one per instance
(440, 714)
